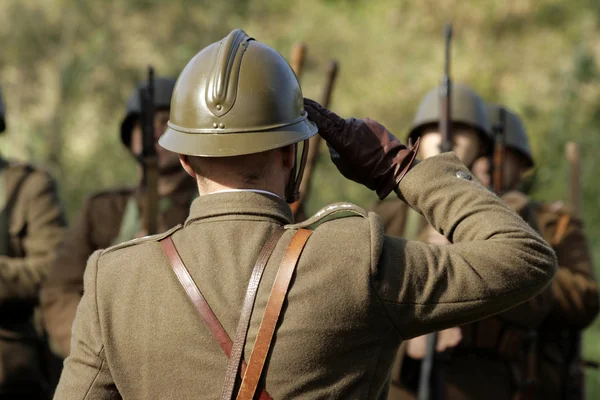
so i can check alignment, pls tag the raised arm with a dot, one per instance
(496, 261)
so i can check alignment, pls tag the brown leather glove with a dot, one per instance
(363, 150)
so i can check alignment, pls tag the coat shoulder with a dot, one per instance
(332, 212)
(141, 241)
(110, 195)
(344, 225)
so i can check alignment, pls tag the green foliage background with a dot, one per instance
(68, 66)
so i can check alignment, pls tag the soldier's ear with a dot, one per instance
(185, 163)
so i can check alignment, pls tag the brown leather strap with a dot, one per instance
(215, 327)
(207, 314)
(271, 315)
(244, 322)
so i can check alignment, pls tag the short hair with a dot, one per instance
(249, 168)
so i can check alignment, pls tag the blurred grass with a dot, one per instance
(67, 67)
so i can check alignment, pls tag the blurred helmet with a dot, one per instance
(237, 96)
(2, 120)
(515, 135)
(467, 109)
(163, 89)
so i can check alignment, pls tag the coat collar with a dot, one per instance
(240, 204)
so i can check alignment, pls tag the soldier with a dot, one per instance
(31, 225)
(496, 348)
(114, 216)
(471, 138)
(236, 120)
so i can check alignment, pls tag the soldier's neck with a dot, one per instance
(206, 186)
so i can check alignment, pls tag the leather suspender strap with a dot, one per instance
(244, 322)
(271, 315)
(211, 320)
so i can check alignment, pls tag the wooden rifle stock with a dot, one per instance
(315, 141)
(297, 59)
(149, 156)
(446, 95)
(573, 154)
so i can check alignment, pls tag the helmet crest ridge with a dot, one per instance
(221, 90)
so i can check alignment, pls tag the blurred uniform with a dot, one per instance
(31, 226)
(108, 218)
(575, 294)
(520, 352)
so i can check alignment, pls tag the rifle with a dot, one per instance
(315, 141)
(498, 155)
(297, 58)
(528, 389)
(446, 94)
(574, 388)
(430, 379)
(149, 158)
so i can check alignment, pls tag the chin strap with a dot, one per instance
(292, 191)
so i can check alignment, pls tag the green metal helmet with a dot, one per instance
(515, 135)
(163, 89)
(467, 109)
(2, 120)
(236, 96)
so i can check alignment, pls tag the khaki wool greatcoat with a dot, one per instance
(99, 225)
(355, 296)
(34, 224)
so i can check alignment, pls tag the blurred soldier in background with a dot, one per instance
(115, 216)
(471, 138)
(504, 348)
(31, 226)
(237, 121)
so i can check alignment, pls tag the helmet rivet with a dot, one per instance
(215, 125)
(221, 125)
(219, 106)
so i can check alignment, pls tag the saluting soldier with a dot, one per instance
(492, 360)
(471, 138)
(115, 216)
(32, 222)
(237, 118)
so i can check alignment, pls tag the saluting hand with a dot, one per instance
(363, 150)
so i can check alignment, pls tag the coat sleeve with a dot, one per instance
(495, 262)
(86, 374)
(43, 229)
(63, 288)
(575, 288)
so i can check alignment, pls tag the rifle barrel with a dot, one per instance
(499, 145)
(149, 156)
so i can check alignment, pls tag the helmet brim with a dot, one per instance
(235, 144)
